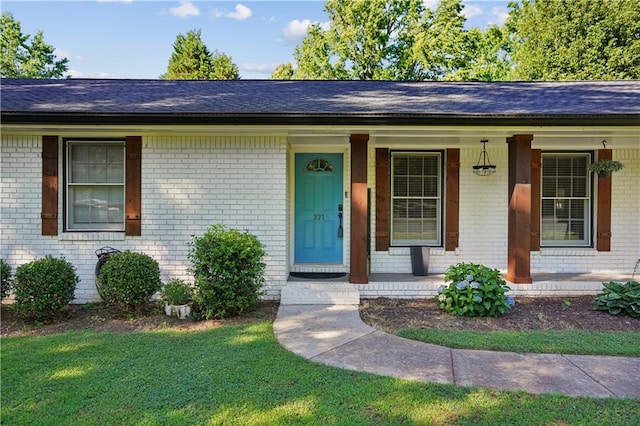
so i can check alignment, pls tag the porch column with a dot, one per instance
(519, 227)
(359, 208)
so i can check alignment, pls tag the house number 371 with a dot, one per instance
(318, 217)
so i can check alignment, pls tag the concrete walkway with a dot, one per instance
(334, 334)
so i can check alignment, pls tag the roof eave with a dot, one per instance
(31, 118)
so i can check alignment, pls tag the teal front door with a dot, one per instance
(319, 212)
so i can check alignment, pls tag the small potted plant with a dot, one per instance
(177, 296)
(605, 167)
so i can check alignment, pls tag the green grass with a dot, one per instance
(620, 343)
(241, 376)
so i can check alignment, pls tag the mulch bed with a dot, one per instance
(529, 313)
(391, 315)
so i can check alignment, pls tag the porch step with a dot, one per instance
(319, 293)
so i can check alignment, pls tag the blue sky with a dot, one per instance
(134, 38)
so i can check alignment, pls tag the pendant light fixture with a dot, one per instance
(484, 167)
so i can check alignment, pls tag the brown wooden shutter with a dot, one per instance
(49, 214)
(382, 199)
(603, 242)
(536, 170)
(133, 184)
(452, 222)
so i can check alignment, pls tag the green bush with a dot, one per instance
(44, 288)
(618, 297)
(177, 292)
(5, 278)
(129, 279)
(474, 290)
(228, 270)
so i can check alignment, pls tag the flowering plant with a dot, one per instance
(474, 290)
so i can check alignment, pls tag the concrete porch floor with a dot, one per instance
(408, 286)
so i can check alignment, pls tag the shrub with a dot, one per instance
(44, 288)
(474, 290)
(177, 292)
(5, 279)
(228, 271)
(129, 279)
(618, 297)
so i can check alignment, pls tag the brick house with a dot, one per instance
(332, 176)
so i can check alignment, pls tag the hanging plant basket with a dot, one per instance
(604, 168)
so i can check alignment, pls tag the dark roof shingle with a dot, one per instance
(224, 99)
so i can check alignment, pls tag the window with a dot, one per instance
(416, 198)
(566, 199)
(95, 185)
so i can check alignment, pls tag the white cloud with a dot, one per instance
(499, 15)
(296, 30)
(471, 10)
(61, 53)
(240, 13)
(185, 10)
(431, 4)
(259, 68)
(74, 73)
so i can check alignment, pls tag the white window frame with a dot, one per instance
(587, 201)
(69, 187)
(437, 241)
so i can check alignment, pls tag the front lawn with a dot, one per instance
(579, 342)
(240, 375)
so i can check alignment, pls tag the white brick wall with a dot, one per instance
(625, 229)
(483, 218)
(189, 183)
(483, 223)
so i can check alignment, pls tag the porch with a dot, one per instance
(408, 286)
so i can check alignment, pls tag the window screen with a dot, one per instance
(566, 200)
(416, 199)
(95, 186)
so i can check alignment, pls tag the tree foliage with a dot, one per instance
(283, 72)
(443, 45)
(366, 40)
(576, 40)
(541, 40)
(192, 60)
(23, 57)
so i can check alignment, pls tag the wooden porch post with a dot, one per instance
(359, 207)
(519, 225)
(603, 241)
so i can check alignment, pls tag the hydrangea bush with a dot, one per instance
(474, 290)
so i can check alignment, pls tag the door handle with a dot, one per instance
(340, 218)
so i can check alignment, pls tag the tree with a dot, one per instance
(443, 46)
(283, 72)
(489, 56)
(192, 60)
(223, 67)
(576, 40)
(366, 40)
(20, 58)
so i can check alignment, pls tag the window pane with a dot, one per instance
(415, 166)
(94, 203)
(79, 170)
(565, 199)
(415, 198)
(400, 186)
(431, 187)
(116, 205)
(548, 186)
